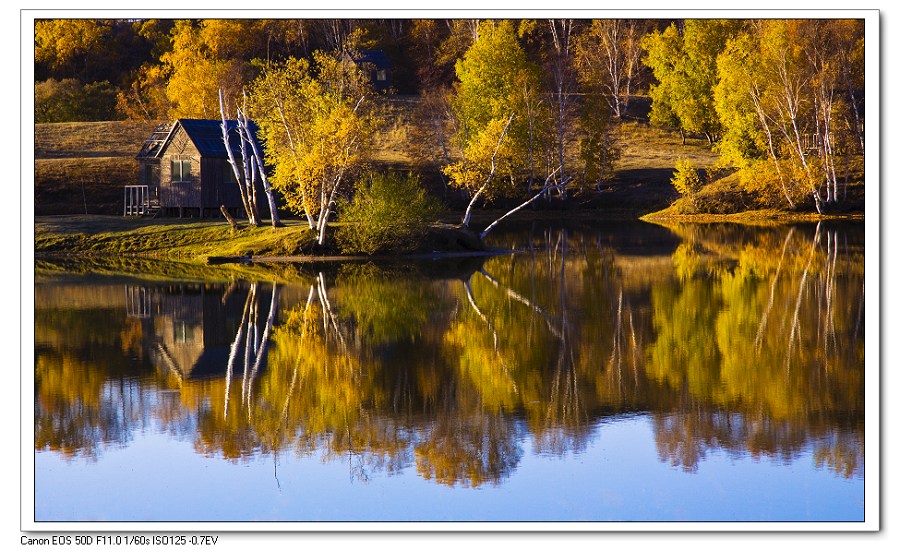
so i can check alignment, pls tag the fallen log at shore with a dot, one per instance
(219, 260)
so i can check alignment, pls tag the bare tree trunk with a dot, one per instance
(791, 106)
(249, 179)
(827, 103)
(561, 32)
(858, 126)
(259, 165)
(762, 119)
(468, 214)
(228, 217)
(287, 130)
(237, 173)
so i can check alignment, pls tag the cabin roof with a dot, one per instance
(205, 134)
(375, 57)
(155, 141)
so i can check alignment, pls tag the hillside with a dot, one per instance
(80, 168)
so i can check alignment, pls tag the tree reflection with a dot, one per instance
(776, 330)
(469, 449)
(749, 342)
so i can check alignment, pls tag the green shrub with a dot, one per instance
(389, 213)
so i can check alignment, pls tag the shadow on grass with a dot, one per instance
(644, 187)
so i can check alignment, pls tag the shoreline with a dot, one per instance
(70, 237)
(753, 217)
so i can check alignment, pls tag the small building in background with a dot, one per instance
(184, 171)
(378, 66)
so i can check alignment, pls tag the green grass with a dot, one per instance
(193, 241)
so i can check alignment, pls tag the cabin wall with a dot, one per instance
(148, 173)
(218, 189)
(179, 194)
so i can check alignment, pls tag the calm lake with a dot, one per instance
(601, 373)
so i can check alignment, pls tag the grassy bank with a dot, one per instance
(203, 241)
(724, 199)
(165, 239)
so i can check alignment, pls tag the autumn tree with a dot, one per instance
(89, 50)
(684, 66)
(69, 100)
(456, 37)
(750, 141)
(609, 55)
(491, 104)
(198, 66)
(317, 127)
(553, 42)
(66, 43)
(81, 63)
(425, 39)
(785, 119)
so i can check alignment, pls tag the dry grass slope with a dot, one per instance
(80, 168)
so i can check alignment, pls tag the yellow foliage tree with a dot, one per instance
(317, 128)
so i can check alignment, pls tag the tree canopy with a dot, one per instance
(317, 128)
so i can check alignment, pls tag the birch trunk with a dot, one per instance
(544, 189)
(287, 130)
(765, 124)
(259, 164)
(234, 166)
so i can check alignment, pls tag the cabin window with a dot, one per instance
(183, 332)
(181, 170)
(381, 75)
(229, 173)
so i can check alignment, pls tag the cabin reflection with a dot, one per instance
(189, 328)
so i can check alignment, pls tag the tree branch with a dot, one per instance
(544, 189)
(468, 215)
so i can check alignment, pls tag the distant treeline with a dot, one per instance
(151, 67)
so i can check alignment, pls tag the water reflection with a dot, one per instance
(743, 340)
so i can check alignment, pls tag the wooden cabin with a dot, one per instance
(184, 171)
